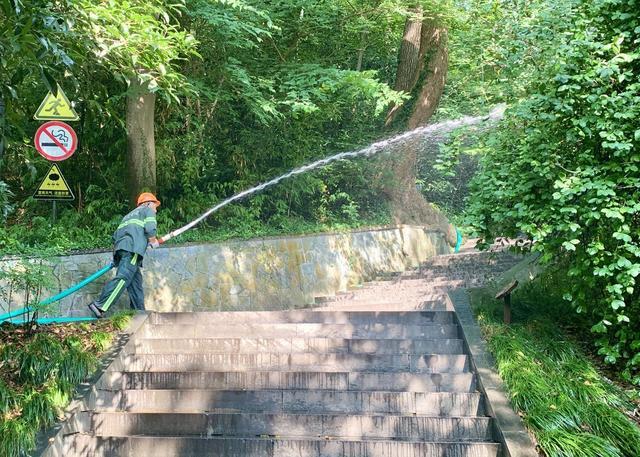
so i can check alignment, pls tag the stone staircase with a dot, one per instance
(426, 286)
(393, 379)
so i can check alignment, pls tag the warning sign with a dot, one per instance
(56, 108)
(56, 141)
(54, 187)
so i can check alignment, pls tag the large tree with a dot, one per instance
(423, 59)
(433, 44)
(141, 43)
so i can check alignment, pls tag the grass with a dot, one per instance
(39, 372)
(564, 400)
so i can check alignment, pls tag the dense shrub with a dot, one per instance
(564, 169)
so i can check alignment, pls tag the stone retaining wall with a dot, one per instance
(263, 274)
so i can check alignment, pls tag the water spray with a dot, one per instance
(430, 130)
(439, 128)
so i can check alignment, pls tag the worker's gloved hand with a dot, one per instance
(154, 244)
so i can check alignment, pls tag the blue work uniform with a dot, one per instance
(130, 242)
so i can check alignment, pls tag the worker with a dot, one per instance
(136, 231)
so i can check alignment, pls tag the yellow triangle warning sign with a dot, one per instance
(54, 187)
(56, 107)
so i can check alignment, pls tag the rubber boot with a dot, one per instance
(95, 310)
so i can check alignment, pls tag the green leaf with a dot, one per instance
(49, 81)
(623, 262)
(599, 328)
(623, 318)
(622, 236)
(616, 304)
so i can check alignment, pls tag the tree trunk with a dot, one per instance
(434, 38)
(407, 204)
(363, 46)
(141, 148)
(409, 59)
(2, 108)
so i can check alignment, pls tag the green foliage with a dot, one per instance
(564, 170)
(7, 400)
(101, 340)
(30, 47)
(570, 408)
(497, 51)
(444, 173)
(5, 206)
(120, 321)
(15, 437)
(118, 34)
(39, 373)
(24, 280)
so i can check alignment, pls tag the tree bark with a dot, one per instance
(434, 39)
(409, 59)
(363, 46)
(2, 109)
(141, 148)
(406, 202)
(424, 44)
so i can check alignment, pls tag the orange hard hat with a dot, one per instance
(146, 197)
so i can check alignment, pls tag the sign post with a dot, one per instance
(506, 294)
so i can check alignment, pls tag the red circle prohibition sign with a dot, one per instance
(56, 141)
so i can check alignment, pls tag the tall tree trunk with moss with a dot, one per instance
(409, 59)
(434, 44)
(424, 44)
(141, 147)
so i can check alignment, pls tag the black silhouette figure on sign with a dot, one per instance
(54, 107)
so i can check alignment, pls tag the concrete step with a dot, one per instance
(412, 281)
(392, 303)
(429, 281)
(432, 300)
(328, 426)
(474, 258)
(296, 345)
(387, 286)
(310, 317)
(268, 446)
(427, 275)
(292, 401)
(426, 363)
(225, 380)
(372, 304)
(364, 305)
(382, 331)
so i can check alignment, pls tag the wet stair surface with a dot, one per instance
(390, 381)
